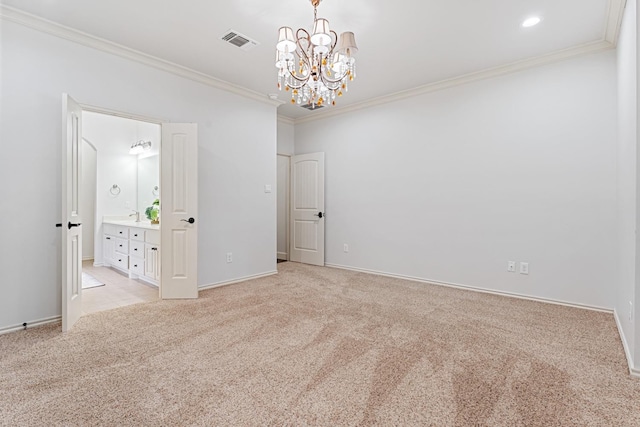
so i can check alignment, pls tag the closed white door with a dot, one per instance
(307, 209)
(71, 214)
(178, 211)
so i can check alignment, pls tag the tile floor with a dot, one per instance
(118, 291)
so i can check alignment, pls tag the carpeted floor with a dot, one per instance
(325, 347)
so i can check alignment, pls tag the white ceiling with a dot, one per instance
(403, 44)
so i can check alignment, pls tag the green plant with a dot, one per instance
(153, 211)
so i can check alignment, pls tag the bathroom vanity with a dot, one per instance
(133, 248)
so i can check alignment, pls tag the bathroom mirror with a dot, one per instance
(148, 182)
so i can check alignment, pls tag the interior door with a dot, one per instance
(307, 209)
(71, 215)
(178, 211)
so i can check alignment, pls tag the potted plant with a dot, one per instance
(153, 212)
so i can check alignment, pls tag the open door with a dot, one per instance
(71, 215)
(178, 211)
(307, 209)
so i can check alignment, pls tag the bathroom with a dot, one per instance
(120, 198)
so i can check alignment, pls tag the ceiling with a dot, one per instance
(403, 44)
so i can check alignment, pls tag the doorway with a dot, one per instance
(284, 165)
(121, 182)
(122, 241)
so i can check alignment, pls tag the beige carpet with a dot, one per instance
(323, 347)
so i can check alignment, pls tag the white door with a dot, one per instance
(307, 209)
(178, 211)
(71, 215)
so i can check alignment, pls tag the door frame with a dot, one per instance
(302, 255)
(287, 205)
(124, 115)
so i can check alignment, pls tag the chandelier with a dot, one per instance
(311, 67)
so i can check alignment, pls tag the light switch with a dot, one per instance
(267, 188)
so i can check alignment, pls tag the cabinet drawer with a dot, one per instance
(122, 246)
(109, 229)
(122, 231)
(121, 261)
(136, 234)
(137, 265)
(153, 236)
(136, 248)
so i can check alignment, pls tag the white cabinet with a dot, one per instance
(109, 245)
(133, 250)
(152, 255)
(151, 261)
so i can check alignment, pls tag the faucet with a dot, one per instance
(137, 215)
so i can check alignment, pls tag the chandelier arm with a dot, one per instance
(334, 43)
(303, 80)
(329, 83)
(302, 52)
(326, 79)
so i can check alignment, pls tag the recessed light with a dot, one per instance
(530, 22)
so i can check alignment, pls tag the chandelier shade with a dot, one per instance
(286, 43)
(315, 67)
(321, 33)
(347, 43)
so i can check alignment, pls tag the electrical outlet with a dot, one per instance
(346, 247)
(229, 257)
(630, 311)
(524, 268)
(511, 266)
(127, 205)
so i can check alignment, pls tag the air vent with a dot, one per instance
(312, 107)
(239, 40)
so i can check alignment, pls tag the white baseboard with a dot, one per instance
(238, 280)
(283, 255)
(627, 351)
(99, 264)
(89, 258)
(33, 323)
(473, 288)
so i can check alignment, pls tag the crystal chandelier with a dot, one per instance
(311, 67)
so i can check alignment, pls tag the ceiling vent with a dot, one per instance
(312, 107)
(239, 40)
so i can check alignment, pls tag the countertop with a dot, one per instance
(132, 223)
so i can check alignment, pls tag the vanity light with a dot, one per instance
(140, 147)
(530, 22)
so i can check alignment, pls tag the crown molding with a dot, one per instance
(557, 56)
(614, 21)
(609, 41)
(286, 120)
(40, 24)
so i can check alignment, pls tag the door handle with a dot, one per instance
(190, 220)
(319, 215)
(71, 225)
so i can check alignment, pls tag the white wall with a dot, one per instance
(88, 199)
(235, 162)
(285, 137)
(627, 172)
(449, 186)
